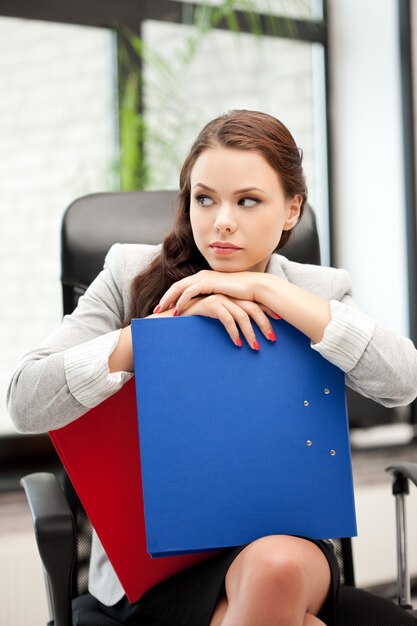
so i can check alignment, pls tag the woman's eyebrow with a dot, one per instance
(245, 190)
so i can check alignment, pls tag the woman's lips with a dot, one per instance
(224, 251)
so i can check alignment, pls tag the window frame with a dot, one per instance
(407, 73)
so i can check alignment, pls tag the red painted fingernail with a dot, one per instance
(256, 345)
(276, 316)
(157, 308)
(271, 335)
(175, 313)
(239, 342)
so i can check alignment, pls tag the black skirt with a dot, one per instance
(190, 597)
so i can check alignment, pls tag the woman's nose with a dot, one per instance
(225, 220)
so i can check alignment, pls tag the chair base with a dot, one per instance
(357, 607)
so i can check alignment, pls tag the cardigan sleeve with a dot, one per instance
(378, 362)
(41, 395)
(87, 370)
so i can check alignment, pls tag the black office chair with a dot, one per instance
(90, 226)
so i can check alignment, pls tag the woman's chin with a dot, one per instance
(218, 266)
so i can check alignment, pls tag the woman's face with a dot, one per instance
(237, 199)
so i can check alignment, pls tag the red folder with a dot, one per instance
(100, 452)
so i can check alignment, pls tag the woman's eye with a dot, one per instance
(250, 202)
(201, 200)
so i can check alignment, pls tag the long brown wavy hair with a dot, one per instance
(180, 257)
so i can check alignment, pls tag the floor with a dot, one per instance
(375, 550)
(20, 566)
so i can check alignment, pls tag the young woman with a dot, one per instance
(242, 191)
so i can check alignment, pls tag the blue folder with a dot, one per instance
(237, 444)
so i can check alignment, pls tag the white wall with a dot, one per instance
(368, 160)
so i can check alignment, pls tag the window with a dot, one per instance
(282, 77)
(59, 141)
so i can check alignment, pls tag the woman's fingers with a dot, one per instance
(241, 312)
(227, 319)
(214, 306)
(234, 314)
(173, 294)
(189, 293)
(244, 323)
(256, 312)
(270, 312)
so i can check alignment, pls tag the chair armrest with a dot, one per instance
(402, 473)
(408, 470)
(55, 535)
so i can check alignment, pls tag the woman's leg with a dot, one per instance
(275, 581)
(221, 609)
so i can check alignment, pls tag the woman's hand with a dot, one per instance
(299, 307)
(232, 311)
(241, 285)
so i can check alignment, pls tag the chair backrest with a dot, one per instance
(90, 226)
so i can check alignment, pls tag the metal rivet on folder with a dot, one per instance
(306, 402)
(332, 452)
(327, 391)
(309, 443)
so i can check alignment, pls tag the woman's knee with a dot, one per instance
(270, 564)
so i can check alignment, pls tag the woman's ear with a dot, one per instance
(293, 212)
